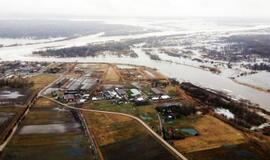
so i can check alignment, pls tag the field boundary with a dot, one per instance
(160, 139)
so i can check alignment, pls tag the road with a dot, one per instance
(13, 130)
(95, 152)
(160, 126)
(40, 94)
(161, 140)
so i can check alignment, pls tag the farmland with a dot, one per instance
(121, 137)
(244, 151)
(213, 133)
(42, 80)
(154, 117)
(146, 113)
(30, 142)
(14, 102)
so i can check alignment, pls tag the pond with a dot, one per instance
(189, 131)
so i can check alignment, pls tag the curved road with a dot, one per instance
(40, 94)
(179, 155)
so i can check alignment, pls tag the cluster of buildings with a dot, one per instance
(169, 112)
(119, 94)
(78, 90)
(130, 94)
(9, 69)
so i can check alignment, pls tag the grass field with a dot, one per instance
(213, 133)
(121, 137)
(42, 80)
(146, 113)
(108, 106)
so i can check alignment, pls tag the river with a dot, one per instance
(180, 71)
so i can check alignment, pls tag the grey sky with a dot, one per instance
(158, 8)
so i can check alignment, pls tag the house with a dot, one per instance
(120, 91)
(164, 97)
(110, 94)
(155, 98)
(135, 92)
(86, 96)
(141, 101)
(95, 99)
(156, 91)
(69, 98)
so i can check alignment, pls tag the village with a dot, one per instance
(109, 107)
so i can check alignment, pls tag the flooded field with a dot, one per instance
(4, 117)
(47, 133)
(260, 79)
(8, 117)
(121, 137)
(50, 128)
(11, 96)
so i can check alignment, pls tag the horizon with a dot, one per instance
(134, 9)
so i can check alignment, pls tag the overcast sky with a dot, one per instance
(156, 8)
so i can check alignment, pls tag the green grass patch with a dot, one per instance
(183, 122)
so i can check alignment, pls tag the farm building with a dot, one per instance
(82, 84)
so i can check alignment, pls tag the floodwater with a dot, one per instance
(10, 95)
(50, 128)
(180, 71)
(260, 79)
